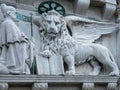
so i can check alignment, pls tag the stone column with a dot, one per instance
(40, 86)
(111, 86)
(3, 86)
(88, 86)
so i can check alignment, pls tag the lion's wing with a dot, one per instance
(86, 30)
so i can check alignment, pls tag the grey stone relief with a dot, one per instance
(57, 46)
(14, 45)
(56, 40)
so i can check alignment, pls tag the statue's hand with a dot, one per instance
(46, 53)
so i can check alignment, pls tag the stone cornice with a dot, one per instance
(57, 79)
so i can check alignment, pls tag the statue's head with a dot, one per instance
(8, 11)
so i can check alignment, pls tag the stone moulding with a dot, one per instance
(57, 79)
(42, 82)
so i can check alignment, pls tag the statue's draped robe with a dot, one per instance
(14, 47)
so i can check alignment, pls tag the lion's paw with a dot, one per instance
(45, 53)
(71, 72)
(114, 73)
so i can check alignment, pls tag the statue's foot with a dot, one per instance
(114, 73)
(71, 72)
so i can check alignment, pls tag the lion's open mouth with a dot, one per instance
(52, 33)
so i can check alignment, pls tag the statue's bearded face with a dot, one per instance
(52, 24)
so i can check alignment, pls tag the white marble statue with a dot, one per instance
(55, 39)
(14, 45)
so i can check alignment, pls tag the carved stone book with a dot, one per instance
(51, 66)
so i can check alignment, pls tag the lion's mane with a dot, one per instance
(61, 43)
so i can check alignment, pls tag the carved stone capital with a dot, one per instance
(3, 86)
(111, 86)
(40, 86)
(88, 86)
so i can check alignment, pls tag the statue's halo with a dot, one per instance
(51, 5)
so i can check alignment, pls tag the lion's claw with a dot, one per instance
(114, 73)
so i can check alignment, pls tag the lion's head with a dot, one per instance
(51, 23)
(53, 31)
